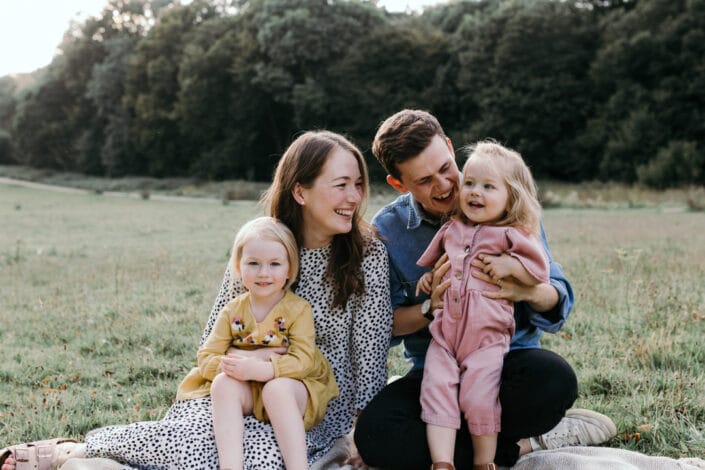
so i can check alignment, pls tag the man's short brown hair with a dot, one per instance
(402, 136)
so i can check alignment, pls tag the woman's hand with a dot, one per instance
(354, 459)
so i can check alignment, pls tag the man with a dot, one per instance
(538, 386)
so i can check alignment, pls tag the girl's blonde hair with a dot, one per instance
(270, 229)
(523, 207)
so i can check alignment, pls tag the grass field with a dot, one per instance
(103, 299)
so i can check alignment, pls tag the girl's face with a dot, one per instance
(328, 207)
(264, 268)
(483, 193)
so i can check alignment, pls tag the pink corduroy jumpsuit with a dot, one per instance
(471, 335)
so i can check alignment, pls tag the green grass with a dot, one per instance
(103, 299)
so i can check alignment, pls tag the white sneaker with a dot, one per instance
(579, 427)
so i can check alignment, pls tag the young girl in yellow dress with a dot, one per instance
(290, 389)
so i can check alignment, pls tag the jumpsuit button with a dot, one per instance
(455, 299)
(467, 249)
(458, 275)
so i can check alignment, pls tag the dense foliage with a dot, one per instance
(585, 90)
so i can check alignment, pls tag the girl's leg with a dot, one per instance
(441, 443)
(231, 400)
(484, 448)
(285, 401)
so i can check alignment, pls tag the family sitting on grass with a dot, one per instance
(269, 393)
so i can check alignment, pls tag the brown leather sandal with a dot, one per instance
(442, 465)
(485, 466)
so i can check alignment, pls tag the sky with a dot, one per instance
(31, 30)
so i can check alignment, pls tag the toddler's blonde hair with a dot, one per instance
(270, 229)
(523, 208)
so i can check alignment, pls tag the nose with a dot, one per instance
(443, 183)
(354, 194)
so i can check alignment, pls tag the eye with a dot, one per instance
(276, 263)
(252, 263)
(489, 186)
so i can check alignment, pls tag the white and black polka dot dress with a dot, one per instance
(355, 340)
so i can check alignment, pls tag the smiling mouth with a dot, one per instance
(444, 197)
(345, 212)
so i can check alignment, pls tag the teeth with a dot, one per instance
(345, 212)
(444, 195)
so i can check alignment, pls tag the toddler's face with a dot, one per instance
(483, 192)
(264, 267)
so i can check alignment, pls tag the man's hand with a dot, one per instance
(541, 297)
(438, 288)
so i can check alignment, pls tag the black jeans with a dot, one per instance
(538, 386)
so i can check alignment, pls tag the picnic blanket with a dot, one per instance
(573, 458)
(602, 458)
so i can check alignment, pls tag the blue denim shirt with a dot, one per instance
(406, 231)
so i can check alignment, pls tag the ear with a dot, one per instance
(298, 194)
(396, 184)
(450, 146)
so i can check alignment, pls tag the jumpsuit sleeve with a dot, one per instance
(435, 249)
(527, 249)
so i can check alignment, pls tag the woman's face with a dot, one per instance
(328, 207)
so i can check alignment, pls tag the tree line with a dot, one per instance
(609, 90)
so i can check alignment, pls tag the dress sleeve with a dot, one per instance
(229, 289)
(371, 326)
(529, 252)
(436, 248)
(298, 361)
(216, 344)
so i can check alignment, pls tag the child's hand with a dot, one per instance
(498, 266)
(245, 368)
(424, 284)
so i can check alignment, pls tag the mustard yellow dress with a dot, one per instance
(289, 323)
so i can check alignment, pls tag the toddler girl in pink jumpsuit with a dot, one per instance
(497, 214)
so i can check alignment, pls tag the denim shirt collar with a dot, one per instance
(417, 215)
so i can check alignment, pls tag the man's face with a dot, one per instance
(431, 177)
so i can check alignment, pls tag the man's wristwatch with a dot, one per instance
(426, 310)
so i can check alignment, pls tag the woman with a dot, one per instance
(319, 191)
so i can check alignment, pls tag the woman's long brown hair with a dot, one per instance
(302, 163)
